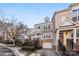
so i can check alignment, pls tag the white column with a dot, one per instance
(74, 35)
(57, 37)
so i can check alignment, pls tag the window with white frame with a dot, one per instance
(46, 27)
(47, 36)
(77, 33)
(75, 15)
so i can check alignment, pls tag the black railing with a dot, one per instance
(66, 51)
(61, 48)
(70, 43)
(73, 47)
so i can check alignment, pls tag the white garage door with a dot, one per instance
(47, 45)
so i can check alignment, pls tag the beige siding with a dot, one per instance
(60, 16)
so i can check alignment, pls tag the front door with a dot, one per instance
(61, 37)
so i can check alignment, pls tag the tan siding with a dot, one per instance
(58, 17)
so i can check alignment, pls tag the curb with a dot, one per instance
(58, 53)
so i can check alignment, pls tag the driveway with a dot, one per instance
(44, 53)
(6, 52)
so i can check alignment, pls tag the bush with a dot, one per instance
(39, 47)
(27, 43)
(8, 42)
(18, 43)
(30, 48)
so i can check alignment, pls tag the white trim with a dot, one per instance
(69, 20)
(74, 35)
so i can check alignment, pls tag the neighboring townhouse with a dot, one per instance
(35, 34)
(66, 25)
(45, 33)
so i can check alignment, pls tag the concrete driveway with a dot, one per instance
(44, 53)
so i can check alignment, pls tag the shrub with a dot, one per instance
(18, 43)
(8, 42)
(28, 48)
(39, 47)
(27, 43)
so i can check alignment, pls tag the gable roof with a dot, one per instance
(68, 22)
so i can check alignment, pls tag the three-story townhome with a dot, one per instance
(46, 35)
(66, 25)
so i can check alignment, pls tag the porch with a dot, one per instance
(67, 42)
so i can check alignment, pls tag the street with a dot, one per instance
(6, 52)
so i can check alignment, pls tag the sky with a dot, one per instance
(30, 13)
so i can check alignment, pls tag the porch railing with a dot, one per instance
(70, 43)
(68, 51)
(61, 48)
(73, 46)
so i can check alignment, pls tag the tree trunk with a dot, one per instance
(12, 41)
(5, 36)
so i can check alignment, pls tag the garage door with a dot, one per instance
(47, 45)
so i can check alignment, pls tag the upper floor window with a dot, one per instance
(38, 27)
(74, 18)
(46, 27)
(75, 15)
(49, 27)
(77, 33)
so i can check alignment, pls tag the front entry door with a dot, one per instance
(61, 37)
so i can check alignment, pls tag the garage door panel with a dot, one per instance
(47, 45)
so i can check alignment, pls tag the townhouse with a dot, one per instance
(43, 32)
(66, 25)
(63, 26)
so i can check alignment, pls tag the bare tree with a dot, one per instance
(15, 31)
(12, 30)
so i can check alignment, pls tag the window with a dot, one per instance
(77, 33)
(38, 27)
(78, 12)
(74, 10)
(44, 36)
(49, 27)
(75, 15)
(44, 28)
(78, 18)
(74, 18)
(49, 36)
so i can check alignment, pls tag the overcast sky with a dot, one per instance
(31, 14)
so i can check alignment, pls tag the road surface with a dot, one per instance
(6, 52)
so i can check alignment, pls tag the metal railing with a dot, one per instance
(70, 43)
(61, 48)
(67, 51)
(73, 47)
